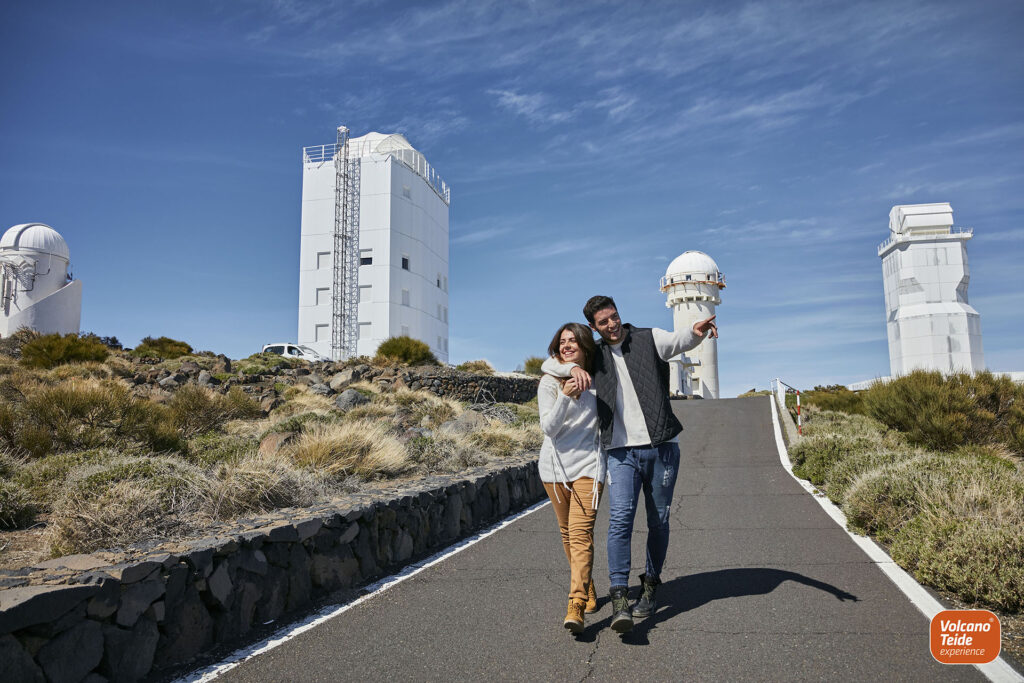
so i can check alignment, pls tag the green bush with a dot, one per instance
(50, 350)
(406, 350)
(946, 412)
(836, 398)
(477, 367)
(531, 366)
(16, 507)
(161, 347)
(261, 363)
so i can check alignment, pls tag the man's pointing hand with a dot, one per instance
(702, 328)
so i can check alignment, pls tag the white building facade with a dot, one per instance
(692, 286)
(36, 287)
(402, 240)
(929, 322)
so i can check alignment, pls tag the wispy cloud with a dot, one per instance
(535, 107)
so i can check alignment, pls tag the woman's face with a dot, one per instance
(569, 348)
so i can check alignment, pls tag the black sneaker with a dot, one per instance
(622, 616)
(646, 605)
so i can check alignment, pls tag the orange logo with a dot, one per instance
(965, 636)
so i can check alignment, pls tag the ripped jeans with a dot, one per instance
(654, 469)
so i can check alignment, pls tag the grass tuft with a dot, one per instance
(359, 448)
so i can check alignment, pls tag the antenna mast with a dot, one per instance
(345, 294)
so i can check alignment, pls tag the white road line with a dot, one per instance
(288, 632)
(997, 671)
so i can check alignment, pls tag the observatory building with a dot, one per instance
(929, 322)
(36, 289)
(693, 285)
(374, 247)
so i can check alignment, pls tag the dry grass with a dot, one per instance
(359, 448)
(506, 440)
(125, 500)
(196, 409)
(258, 484)
(445, 453)
(17, 508)
(299, 399)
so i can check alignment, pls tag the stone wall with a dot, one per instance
(126, 616)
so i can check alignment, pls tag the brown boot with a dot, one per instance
(591, 599)
(574, 616)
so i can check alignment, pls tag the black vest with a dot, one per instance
(649, 374)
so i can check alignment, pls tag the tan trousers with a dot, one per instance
(575, 509)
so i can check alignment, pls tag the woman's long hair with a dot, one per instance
(585, 339)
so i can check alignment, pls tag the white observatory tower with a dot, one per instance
(693, 285)
(924, 266)
(374, 247)
(36, 289)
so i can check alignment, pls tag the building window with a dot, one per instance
(445, 318)
(446, 345)
(364, 330)
(323, 260)
(439, 311)
(405, 262)
(364, 293)
(439, 347)
(323, 333)
(445, 288)
(406, 192)
(439, 280)
(405, 330)
(366, 257)
(323, 296)
(405, 297)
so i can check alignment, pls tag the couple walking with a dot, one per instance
(607, 420)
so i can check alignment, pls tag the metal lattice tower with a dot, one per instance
(345, 293)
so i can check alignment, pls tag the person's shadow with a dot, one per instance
(690, 592)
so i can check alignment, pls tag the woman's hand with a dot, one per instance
(571, 388)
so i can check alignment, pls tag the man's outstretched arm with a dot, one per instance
(671, 344)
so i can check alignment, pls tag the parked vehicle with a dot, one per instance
(295, 351)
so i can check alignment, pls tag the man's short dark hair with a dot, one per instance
(595, 304)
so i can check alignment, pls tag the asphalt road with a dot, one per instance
(759, 585)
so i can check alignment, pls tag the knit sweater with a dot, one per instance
(571, 447)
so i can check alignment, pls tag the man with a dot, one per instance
(639, 433)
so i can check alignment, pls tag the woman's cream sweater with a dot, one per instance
(571, 447)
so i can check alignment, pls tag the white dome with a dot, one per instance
(34, 237)
(693, 262)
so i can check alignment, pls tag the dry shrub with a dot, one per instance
(51, 350)
(124, 501)
(80, 414)
(258, 484)
(375, 410)
(17, 508)
(361, 448)
(298, 423)
(214, 447)
(476, 367)
(45, 477)
(505, 440)
(421, 407)
(88, 370)
(444, 453)
(836, 398)
(299, 399)
(12, 344)
(196, 409)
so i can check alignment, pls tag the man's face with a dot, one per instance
(607, 324)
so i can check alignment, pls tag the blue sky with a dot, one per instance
(587, 144)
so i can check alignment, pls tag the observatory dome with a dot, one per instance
(693, 262)
(34, 237)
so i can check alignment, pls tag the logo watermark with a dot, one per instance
(965, 636)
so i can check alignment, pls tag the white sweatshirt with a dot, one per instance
(572, 446)
(629, 428)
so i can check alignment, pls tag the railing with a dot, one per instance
(416, 162)
(669, 280)
(960, 233)
(780, 393)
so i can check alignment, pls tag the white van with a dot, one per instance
(295, 351)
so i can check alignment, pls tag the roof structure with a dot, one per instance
(35, 237)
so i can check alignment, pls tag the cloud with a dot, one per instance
(535, 107)
(478, 236)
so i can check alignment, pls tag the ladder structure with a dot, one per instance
(345, 292)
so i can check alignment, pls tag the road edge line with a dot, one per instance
(286, 633)
(997, 671)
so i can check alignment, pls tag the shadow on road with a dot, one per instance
(690, 592)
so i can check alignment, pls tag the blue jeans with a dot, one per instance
(654, 469)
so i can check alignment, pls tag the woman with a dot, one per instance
(572, 465)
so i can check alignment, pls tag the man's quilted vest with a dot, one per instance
(650, 380)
